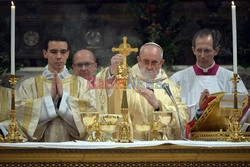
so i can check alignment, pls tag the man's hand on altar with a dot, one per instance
(204, 96)
(150, 97)
(116, 60)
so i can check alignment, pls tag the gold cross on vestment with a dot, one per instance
(124, 49)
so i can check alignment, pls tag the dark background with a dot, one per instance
(100, 24)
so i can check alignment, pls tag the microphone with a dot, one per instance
(165, 86)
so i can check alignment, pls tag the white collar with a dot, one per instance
(62, 75)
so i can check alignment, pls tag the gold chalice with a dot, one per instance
(164, 118)
(156, 125)
(90, 121)
(110, 118)
(143, 129)
(108, 125)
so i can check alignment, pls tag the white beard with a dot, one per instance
(149, 74)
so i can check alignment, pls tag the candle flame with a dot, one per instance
(233, 3)
(12, 3)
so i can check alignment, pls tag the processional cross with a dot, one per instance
(125, 130)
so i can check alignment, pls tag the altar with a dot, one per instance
(139, 153)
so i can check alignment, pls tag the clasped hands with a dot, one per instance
(56, 91)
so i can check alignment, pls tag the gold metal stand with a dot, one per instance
(235, 134)
(125, 131)
(13, 136)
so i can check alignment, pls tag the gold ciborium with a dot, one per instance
(90, 122)
(164, 119)
(108, 124)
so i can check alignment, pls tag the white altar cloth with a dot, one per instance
(107, 145)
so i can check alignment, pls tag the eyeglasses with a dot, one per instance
(205, 51)
(86, 65)
(153, 63)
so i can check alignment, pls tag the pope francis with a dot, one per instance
(145, 94)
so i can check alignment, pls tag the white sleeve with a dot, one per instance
(244, 124)
(244, 127)
(64, 111)
(3, 130)
(48, 111)
(192, 109)
(110, 80)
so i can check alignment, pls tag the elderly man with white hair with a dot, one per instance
(145, 94)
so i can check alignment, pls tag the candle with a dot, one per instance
(12, 31)
(233, 7)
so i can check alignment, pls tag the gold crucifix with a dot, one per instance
(125, 50)
(125, 131)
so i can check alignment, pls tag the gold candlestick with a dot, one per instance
(13, 135)
(235, 134)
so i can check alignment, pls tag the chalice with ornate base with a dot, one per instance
(90, 122)
(156, 126)
(108, 124)
(164, 119)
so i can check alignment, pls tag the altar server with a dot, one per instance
(205, 77)
(50, 103)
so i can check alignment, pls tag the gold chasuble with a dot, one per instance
(140, 111)
(103, 88)
(31, 102)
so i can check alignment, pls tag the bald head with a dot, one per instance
(84, 64)
(84, 53)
